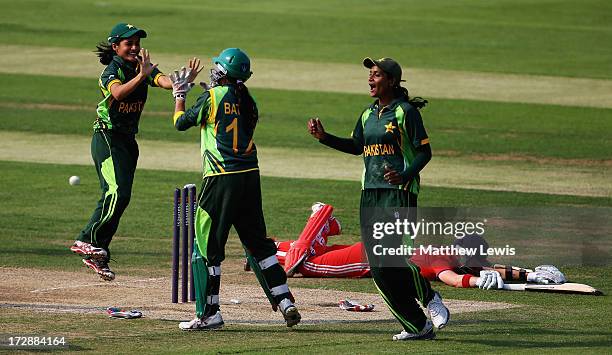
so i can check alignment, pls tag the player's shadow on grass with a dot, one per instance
(277, 327)
(517, 334)
(48, 251)
(61, 251)
(573, 342)
(313, 329)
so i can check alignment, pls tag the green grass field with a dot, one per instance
(40, 213)
(459, 127)
(545, 321)
(505, 36)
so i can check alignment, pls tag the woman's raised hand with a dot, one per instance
(144, 60)
(315, 128)
(195, 69)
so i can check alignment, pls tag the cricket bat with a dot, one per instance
(291, 271)
(555, 288)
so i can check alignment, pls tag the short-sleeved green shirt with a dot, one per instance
(122, 116)
(390, 136)
(226, 136)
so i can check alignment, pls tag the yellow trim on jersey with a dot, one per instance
(155, 80)
(231, 172)
(112, 82)
(425, 141)
(212, 158)
(213, 107)
(249, 148)
(176, 116)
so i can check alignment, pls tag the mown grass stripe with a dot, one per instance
(345, 78)
(558, 179)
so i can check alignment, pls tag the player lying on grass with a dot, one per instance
(324, 260)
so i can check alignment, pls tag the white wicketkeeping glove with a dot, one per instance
(180, 84)
(490, 279)
(546, 274)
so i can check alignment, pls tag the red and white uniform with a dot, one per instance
(350, 261)
(312, 257)
(432, 265)
(346, 260)
(330, 261)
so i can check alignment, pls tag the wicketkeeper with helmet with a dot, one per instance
(227, 115)
(392, 139)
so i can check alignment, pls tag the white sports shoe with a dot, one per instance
(88, 250)
(101, 268)
(213, 322)
(425, 334)
(438, 312)
(290, 312)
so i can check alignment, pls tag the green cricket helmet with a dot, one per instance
(235, 62)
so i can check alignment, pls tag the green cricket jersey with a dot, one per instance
(226, 136)
(390, 136)
(122, 116)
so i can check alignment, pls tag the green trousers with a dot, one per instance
(231, 200)
(225, 201)
(400, 284)
(115, 156)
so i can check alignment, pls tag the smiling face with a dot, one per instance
(128, 48)
(381, 84)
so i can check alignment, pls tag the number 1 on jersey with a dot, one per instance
(234, 126)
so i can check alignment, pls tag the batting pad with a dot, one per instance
(200, 281)
(299, 250)
(262, 280)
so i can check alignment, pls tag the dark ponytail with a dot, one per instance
(105, 52)
(248, 108)
(416, 101)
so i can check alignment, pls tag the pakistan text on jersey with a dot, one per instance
(129, 107)
(378, 149)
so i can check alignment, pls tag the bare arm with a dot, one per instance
(488, 279)
(121, 91)
(179, 106)
(164, 82)
(346, 145)
(451, 278)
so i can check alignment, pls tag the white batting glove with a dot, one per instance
(484, 276)
(546, 274)
(559, 276)
(180, 83)
(490, 279)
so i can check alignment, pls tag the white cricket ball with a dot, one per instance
(74, 180)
